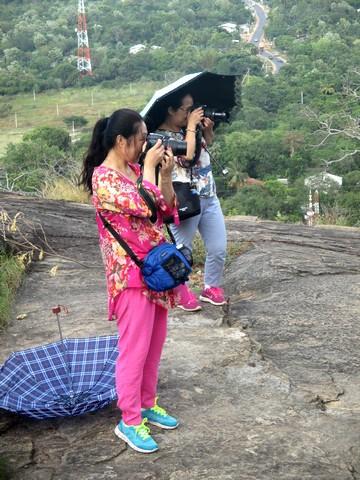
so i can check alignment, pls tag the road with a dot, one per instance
(256, 37)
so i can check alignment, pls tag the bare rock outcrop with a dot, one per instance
(265, 389)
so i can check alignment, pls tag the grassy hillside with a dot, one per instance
(90, 102)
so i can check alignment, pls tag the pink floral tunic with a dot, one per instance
(119, 201)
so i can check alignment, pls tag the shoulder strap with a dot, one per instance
(171, 235)
(147, 199)
(121, 241)
(151, 204)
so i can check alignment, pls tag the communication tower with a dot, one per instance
(83, 56)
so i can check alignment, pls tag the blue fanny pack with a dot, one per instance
(165, 267)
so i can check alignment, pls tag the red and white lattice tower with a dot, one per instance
(83, 58)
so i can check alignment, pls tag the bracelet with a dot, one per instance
(189, 130)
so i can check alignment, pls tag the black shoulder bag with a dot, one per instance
(187, 196)
(188, 199)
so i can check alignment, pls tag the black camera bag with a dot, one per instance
(188, 201)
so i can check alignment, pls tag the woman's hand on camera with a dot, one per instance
(155, 155)
(207, 126)
(166, 185)
(167, 165)
(195, 118)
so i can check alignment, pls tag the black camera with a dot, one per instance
(179, 147)
(214, 115)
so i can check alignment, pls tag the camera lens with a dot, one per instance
(179, 147)
(215, 115)
(152, 138)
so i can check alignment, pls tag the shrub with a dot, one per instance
(5, 109)
(43, 155)
(11, 271)
(65, 189)
(29, 164)
(51, 136)
(77, 120)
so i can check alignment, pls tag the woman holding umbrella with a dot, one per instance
(181, 121)
(110, 173)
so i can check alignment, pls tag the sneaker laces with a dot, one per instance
(143, 430)
(159, 410)
(217, 290)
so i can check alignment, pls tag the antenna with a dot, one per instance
(83, 58)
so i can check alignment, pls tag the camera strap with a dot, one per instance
(151, 204)
(147, 199)
(216, 161)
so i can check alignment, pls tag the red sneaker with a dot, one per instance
(188, 300)
(214, 295)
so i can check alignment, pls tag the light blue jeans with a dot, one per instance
(211, 226)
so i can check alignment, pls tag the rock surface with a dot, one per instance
(267, 389)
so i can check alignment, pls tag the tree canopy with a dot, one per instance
(38, 44)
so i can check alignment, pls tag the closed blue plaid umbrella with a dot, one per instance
(69, 377)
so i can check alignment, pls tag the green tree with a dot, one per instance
(28, 165)
(43, 155)
(50, 136)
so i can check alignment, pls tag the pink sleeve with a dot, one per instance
(165, 209)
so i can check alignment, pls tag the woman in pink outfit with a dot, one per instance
(110, 173)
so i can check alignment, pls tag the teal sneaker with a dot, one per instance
(159, 417)
(137, 436)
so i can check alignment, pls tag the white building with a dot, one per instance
(229, 27)
(323, 181)
(136, 48)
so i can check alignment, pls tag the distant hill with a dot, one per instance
(38, 41)
(298, 123)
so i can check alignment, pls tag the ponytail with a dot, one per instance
(95, 155)
(124, 122)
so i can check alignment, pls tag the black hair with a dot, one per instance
(124, 122)
(174, 102)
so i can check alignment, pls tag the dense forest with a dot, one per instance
(39, 44)
(305, 120)
(302, 122)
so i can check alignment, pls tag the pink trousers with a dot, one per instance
(142, 327)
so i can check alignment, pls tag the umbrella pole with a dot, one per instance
(56, 311)
(59, 327)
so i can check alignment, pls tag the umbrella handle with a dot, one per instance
(56, 310)
(60, 308)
